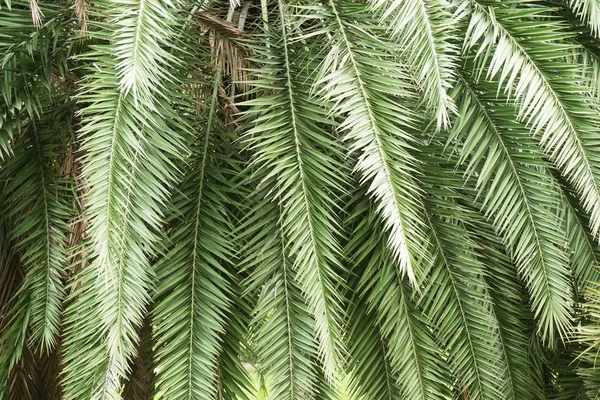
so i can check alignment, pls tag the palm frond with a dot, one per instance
(26, 67)
(142, 35)
(39, 203)
(193, 292)
(290, 199)
(376, 124)
(588, 335)
(589, 12)
(291, 142)
(14, 316)
(127, 190)
(233, 380)
(510, 309)
(521, 196)
(528, 51)
(413, 355)
(584, 256)
(131, 140)
(281, 309)
(457, 299)
(426, 33)
(372, 376)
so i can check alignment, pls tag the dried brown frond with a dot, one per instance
(22, 385)
(36, 376)
(81, 7)
(230, 110)
(218, 25)
(232, 59)
(36, 13)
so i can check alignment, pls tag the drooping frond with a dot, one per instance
(85, 353)
(375, 124)
(589, 12)
(129, 168)
(13, 342)
(26, 66)
(528, 53)
(413, 355)
(586, 52)
(584, 253)
(457, 299)
(281, 311)
(233, 380)
(10, 273)
(521, 196)
(39, 203)
(299, 200)
(371, 373)
(193, 292)
(14, 315)
(588, 335)
(291, 142)
(425, 31)
(143, 34)
(38, 208)
(510, 308)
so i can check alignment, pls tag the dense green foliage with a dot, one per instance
(383, 199)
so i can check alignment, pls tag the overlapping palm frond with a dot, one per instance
(520, 194)
(372, 376)
(42, 210)
(589, 12)
(130, 139)
(415, 360)
(375, 124)
(281, 309)
(294, 146)
(528, 70)
(38, 209)
(588, 335)
(193, 296)
(584, 256)
(511, 310)
(457, 299)
(291, 199)
(27, 55)
(426, 32)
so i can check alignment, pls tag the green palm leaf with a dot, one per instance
(584, 256)
(426, 33)
(457, 299)
(42, 210)
(292, 144)
(589, 12)
(528, 67)
(193, 292)
(520, 194)
(510, 308)
(413, 355)
(289, 199)
(588, 335)
(280, 311)
(376, 125)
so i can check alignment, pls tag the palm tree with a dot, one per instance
(336, 199)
